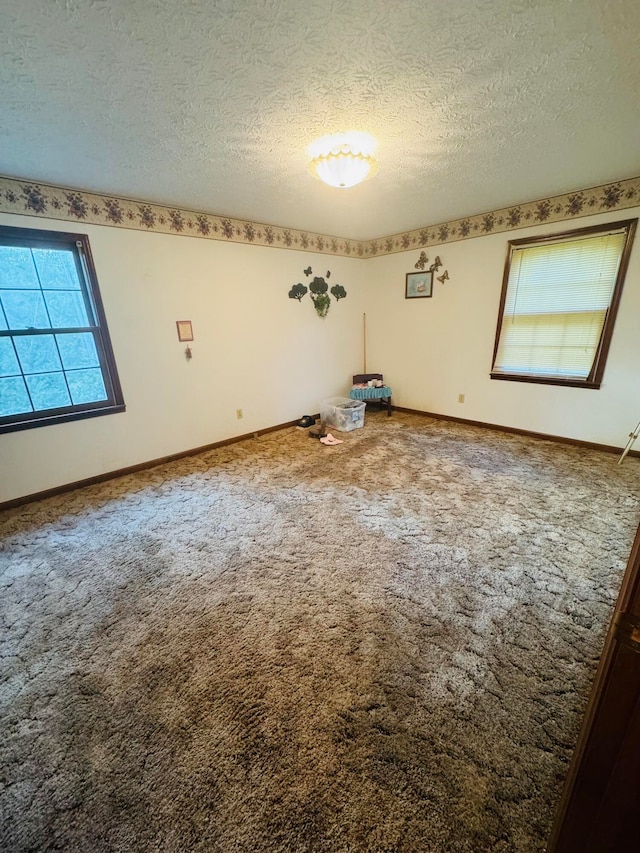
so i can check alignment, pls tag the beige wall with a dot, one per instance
(432, 350)
(254, 349)
(257, 350)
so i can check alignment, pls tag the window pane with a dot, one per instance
(77, 350)
(8, 362)
(3, 324)
(86, 386)
(48, 390)
(551, 344)
(14, 399)
(37, 354)
(56, 269)
(66, 309)
(25, 309)
(16, 268)
(566, 276)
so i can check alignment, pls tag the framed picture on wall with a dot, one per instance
(419, 285)
(185, 330)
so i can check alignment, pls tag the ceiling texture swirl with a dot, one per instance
(210, 105)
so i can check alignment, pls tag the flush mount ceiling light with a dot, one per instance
(343, 160)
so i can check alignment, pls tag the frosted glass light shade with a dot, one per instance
(342, 167)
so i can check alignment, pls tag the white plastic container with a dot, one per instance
(342, 413)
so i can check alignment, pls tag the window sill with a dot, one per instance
(59, 417)
(546, 380)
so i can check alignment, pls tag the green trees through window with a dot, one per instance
(56, 361)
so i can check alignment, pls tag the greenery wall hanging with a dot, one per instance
(319, 292)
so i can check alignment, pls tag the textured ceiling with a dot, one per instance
(211, 104)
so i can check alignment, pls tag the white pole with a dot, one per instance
(632, 437)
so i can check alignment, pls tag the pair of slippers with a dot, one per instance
(330, 439)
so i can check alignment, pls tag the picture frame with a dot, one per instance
(419, 285)
(185, 330)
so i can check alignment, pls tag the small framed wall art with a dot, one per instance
(185, 330)
(419, 285)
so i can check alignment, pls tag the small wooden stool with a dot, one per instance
(380, 395)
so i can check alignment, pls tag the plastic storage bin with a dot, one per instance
(343, 414)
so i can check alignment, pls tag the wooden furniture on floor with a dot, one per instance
(381, 395)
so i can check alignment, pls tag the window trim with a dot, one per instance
(37, 238)
(594, 380)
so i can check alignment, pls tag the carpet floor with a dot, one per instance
(384, 646)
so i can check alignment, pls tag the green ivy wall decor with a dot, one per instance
(319, 292)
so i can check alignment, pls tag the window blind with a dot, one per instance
(556, 304)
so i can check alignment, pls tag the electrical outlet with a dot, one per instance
(238, 413)
(461, 398)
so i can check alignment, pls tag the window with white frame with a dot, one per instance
(56, 360)
(559, 301)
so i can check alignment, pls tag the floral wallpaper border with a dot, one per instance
(608, 197)
(39, 199)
